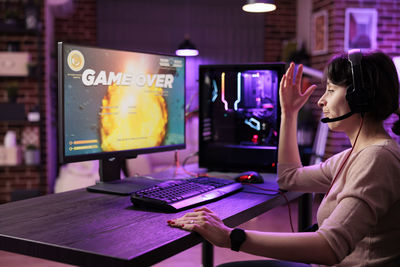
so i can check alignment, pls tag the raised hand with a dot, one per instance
(290, 95)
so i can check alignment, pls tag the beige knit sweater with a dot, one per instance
(360, 217)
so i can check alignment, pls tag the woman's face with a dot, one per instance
(334, 104)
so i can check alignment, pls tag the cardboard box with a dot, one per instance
(10, 156)
(14, 63)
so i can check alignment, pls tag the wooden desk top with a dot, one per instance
(83, 228)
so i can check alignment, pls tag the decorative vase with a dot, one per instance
(32, 157)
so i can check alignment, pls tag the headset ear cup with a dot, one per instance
(359, 102)
(358, 97)
(350, 97)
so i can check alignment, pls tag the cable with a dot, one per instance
(283, 195)
(191, 101)
(347, 157)
(190, 114)
(178, 166)
(194, 154)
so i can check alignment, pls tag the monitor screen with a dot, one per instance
(117, 104)
(239, 116)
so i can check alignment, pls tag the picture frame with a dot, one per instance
(360, 28)
(319, 33)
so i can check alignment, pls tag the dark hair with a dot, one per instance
(379, 76)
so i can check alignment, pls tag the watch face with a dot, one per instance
(238, 236)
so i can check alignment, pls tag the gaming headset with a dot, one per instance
(358, 96)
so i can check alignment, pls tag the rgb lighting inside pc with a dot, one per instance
(239, 116)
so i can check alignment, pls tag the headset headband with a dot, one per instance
(357, 95)
(355, 56)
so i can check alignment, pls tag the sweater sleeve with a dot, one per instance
(315, 178)
(372, 187)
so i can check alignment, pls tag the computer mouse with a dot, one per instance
(251, 177)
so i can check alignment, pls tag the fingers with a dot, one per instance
(287, 78)
(282, 84)
(203, 209)
(289, 74)
(207, 212)
(299, 74)
(310, 90)
(182, 225)
(186, 223)
(191, 214)
(191, 219)
(201, 212)
(188, 227)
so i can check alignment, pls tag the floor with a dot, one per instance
(276, 220)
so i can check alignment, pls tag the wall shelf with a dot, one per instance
(30, 97)
(19, 123)
(16, 29)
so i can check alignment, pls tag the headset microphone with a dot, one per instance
(345, 116)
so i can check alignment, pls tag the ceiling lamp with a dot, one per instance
(187, 49)
(258, 6)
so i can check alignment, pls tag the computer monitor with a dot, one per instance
(239, 116)
(115, 105)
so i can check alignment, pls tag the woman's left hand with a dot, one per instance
(291, 96)
(207, 224)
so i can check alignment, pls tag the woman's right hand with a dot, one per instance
(207, 224)
(290, 95)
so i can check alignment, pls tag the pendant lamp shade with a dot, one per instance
(259, 6)
(187, 49)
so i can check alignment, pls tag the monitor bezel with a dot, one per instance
(123, 154)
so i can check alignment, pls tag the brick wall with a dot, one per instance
(337, 141)
(22, 179)
(80, 28)
(280, 26)
(388, 40)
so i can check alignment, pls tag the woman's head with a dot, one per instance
(379, 78)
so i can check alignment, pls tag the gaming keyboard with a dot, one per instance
(174, 195)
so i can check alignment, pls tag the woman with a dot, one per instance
(359, 218)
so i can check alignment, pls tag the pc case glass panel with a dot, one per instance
(239, 116)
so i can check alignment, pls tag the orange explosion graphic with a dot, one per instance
(132, 117)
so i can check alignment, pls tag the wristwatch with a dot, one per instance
(238, 236)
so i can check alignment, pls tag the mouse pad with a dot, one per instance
(266, 188)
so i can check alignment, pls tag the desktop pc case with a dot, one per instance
(239, 116)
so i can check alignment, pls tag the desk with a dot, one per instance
(93, 229)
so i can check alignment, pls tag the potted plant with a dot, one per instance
(12, 91)
(32, 155)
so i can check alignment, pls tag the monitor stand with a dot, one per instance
(111, 182)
